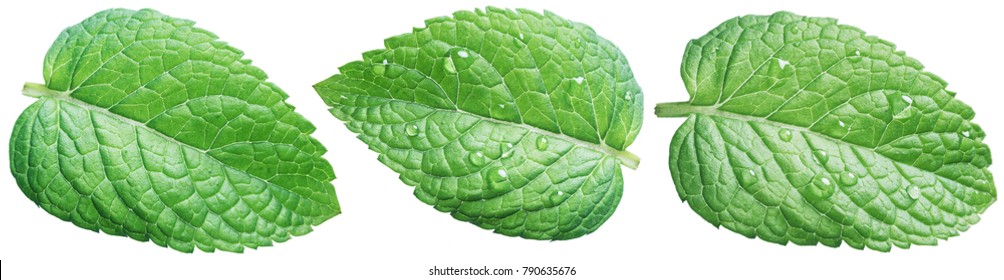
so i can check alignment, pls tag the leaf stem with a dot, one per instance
(37, 90)
(677, 109)
(628, 159)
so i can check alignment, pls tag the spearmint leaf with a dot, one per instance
(807, 131)
(511, 120)
(150, 128)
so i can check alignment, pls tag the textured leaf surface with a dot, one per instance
(150, 128)
(511, 120)
(803, 130)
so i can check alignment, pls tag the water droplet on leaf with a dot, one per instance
(782, 63)
(498, 174)
(784, 134)
(820, 156)
(908, 99)
(965, 133)
(579, 80)
(822, 187)
(379, 69)
(747, 178)
(556, 198)
(507, 150)
(411, 130)
(848, 179)
(478, 158)
(542, 143)
(627, 96)
(449, 67)
(913, 192)
(842, 124)
(462, 54)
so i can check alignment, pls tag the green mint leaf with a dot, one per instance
(150, 128)
(511, 120)
(807, 131)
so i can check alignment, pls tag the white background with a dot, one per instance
(386, 233)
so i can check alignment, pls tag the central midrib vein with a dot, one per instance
(683, 109)
(41, 91)
(626, 158)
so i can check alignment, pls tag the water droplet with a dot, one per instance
(502, 106)
(848, 179)
(498, 174)
(579, 79)
(379, 69)
(478, 158)
(822, 187)
(856, 57)
(542, 143)
(578, 42)
(784, 134)
(908, 99)
(627, 96)
(913, 192)
(521, 36)
(747, 178)
(842, 124)
(782, 63)
(798, 43)
(820, 156)
(965, 133)
(411, 130)
(557, 197)
(462, 54)
(507, 150)
(449, 67)
(497, 179)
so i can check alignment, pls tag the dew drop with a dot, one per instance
(784, 134)
(411, 130)
(462, 54)
(507, 150)
(965, 133)
(542, 143)
(747, 178)
(502, 106)
(627, 96)
(913, 192)
(497, 174)
(497, 179)
(798, 44)
(842, 124)
(820, 156)
(521, 36)
(579, 80)
(478, 158)
(379, 69)
(578, 42)
(782, 63)
(556, 198)
(848, 179)
(908, 99)
(449, 67)
(856, 57)
(823, 188)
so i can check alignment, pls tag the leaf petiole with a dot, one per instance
(37, 90)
